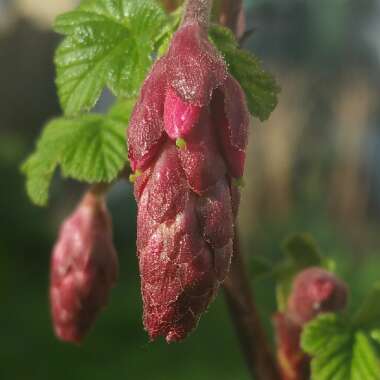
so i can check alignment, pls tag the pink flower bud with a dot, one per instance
(83, 269)
(179, 116)
(315, 291)
(187, 199)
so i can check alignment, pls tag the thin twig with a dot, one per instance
(197, 11)
(245, 317)
(101, 188)
(237, 289)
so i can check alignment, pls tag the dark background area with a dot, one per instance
(313, 167)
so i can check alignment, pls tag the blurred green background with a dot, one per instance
(313, 167)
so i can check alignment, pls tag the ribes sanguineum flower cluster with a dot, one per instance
(314, 291)
(187, 140)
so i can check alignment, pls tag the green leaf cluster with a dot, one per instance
(88, 148)
(260, 88)
(107, 43)
(340, 349)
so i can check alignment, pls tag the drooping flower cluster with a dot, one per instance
(187, 197)
(314, 291)
(83, 269)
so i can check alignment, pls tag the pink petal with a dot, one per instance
(179, 116)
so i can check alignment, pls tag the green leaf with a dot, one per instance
(122, 110)
(369, 313)
(375, 335)
(108, 43)
(338, 351)
(90, 148)
(260, 267)
(302, 250)
(259, 86)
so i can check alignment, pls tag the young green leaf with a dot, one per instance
(302, 250)
(89, 148)
(259, 86)
(338, 351)
(369, 313)
(108, 43)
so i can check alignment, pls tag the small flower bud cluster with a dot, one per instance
(83, 269)
(314, 291)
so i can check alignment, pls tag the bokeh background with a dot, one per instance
(313, 167)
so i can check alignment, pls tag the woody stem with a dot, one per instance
(197, 11)
(239, 296)
(245, 317)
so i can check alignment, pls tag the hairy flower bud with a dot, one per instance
(315, 291)
(83, 269)
(186, 196)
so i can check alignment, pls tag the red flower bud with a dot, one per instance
(83, 269)
(186, 198)
(315, 291)
(179, 116)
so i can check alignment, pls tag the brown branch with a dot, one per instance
(240, 300)
(197, 11)
(245, 317)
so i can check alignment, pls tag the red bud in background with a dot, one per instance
(315, 291)
(83, 269)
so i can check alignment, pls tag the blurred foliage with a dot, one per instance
(323, 45)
